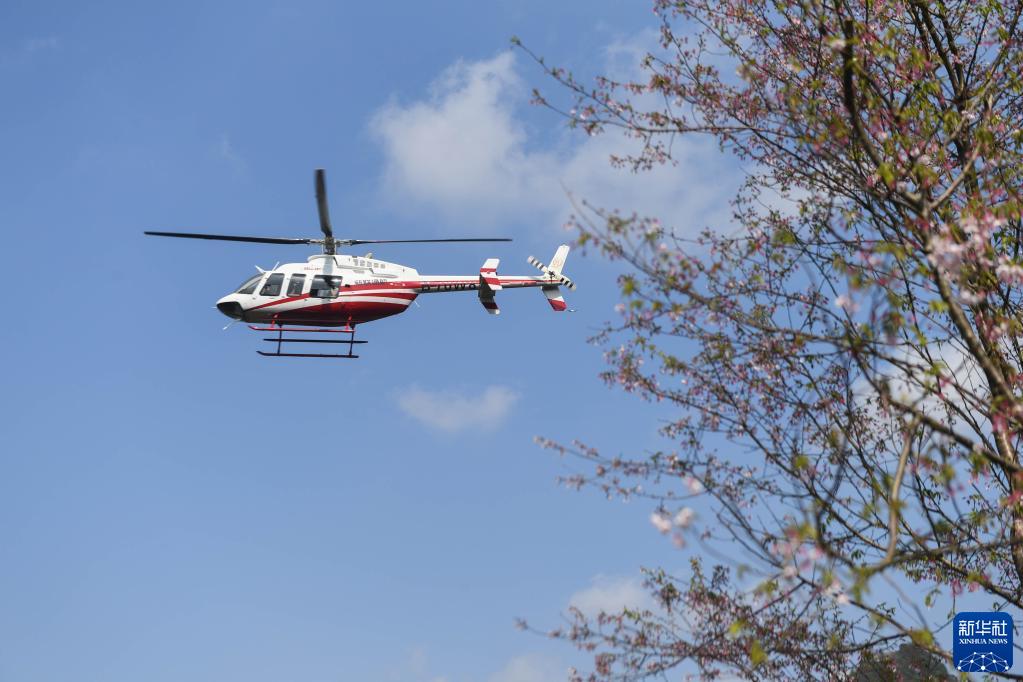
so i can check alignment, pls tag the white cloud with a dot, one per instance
(687, 197)
(911, 382)
(465, 152)
(414, 667)
(453, 411)
(609, 594)
(530, 668)
(462, 151)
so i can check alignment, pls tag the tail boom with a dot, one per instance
(488, 282)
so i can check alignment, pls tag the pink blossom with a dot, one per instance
(684, 517)
(1009, 272)
(661, 522)
(847, 304)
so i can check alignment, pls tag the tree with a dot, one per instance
(910, 662)
(847, 371)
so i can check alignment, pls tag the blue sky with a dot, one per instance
(174, 507)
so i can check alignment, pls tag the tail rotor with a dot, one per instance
(552, 272)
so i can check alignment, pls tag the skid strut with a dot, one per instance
(282, 339)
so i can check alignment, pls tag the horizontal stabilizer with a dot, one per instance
(490, 284)
(488, 274)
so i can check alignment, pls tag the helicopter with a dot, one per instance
(331, 292)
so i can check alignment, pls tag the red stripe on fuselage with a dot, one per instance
(342, 309)
(339, 312)
(278, 302)
(404, 295)
(357, 290)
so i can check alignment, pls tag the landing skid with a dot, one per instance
(281, 339)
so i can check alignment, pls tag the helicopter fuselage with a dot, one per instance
(343, 290)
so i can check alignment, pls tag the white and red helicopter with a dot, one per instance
(331, 293)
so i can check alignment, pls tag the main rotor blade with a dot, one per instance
(356, 242)
(343, 242)
(321, 204)
(234, 238)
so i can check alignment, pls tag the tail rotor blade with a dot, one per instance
(536, 263)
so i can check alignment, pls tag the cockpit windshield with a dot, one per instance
(249, 285)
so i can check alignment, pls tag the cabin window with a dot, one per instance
(273, 285)
(249, 285)
(325, 286)
(295, 285)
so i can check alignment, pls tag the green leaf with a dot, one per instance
(922, 638)
(886, 173)
(756, 653)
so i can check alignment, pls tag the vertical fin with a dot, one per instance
(490, 305)
(554, 297)
(558, 262)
